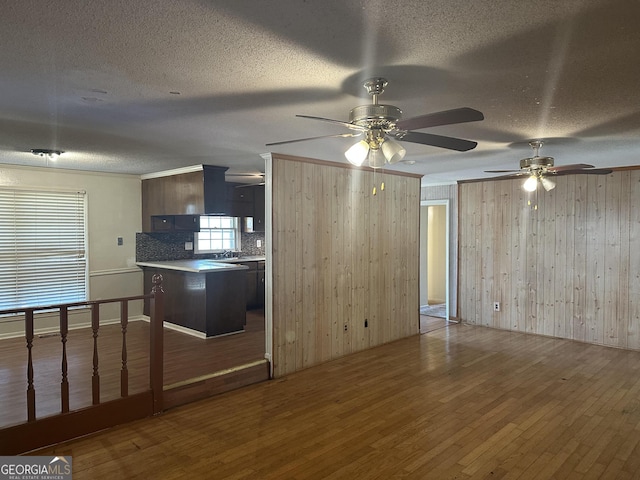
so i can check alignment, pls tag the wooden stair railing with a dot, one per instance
(40, 432)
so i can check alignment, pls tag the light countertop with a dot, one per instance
(196, 266)
(248, 258)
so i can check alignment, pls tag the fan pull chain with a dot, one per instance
(375, 191)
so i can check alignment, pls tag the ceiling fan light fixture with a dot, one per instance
(357, 153)
(376, 159)
(530, 184)
(392, 151)
(547, 183)
(379, 123)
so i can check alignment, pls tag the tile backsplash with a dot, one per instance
(250, 243)
(160, 246)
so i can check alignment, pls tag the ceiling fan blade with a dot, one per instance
(505, 177)
(586, 171)
(446, 117)
(337, 122)
(245, 185)
(500, 171)
(436, 140)
(575, 166)
(343, 135)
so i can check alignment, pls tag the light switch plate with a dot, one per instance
(188, 245)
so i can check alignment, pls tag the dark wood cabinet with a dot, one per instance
(188, 223)
(258, 208)
(239, 200)
(174, 202)
(251, 284)
(200, 192)
(260, 286)
(215, 191)
(255, 284)
(241, 193)
(162, 223)
(211, 303)
(175, 223)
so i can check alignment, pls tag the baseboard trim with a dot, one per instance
(209, 385)
(51, 330)
(179, 328)
(114, 271)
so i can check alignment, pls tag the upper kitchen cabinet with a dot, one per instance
(258, 208)
(175, 223)
(254, 207)
(199, 190)
(240, 197)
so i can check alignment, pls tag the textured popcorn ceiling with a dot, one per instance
(148, 85)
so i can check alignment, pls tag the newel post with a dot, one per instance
(31, 393)
(156, 342)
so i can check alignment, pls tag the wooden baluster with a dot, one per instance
(95, 379)
(31, 392)
(64, 386)
(156, 344)
(124, 373)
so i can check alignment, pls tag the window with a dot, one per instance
(42, 248)
(217, 234)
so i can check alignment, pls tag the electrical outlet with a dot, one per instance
(120, 241)
(496, 306)
(188, 245)
(258, 243)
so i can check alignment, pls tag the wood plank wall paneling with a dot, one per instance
(563, 263)
(633, 337)
(448, 192)
(341, 256)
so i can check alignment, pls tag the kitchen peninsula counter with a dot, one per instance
(246, 258)
(203, 297)
(194, 265)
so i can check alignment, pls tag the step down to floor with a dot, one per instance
(197, 388)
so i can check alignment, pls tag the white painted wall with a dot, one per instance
(424, 278)
(437, 254)
(114, 210)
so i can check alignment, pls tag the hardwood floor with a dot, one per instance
(185, 357)
(461, 402)
(429, 323)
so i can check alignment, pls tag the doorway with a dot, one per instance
(434, 264)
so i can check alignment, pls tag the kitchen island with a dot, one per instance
(203, 297)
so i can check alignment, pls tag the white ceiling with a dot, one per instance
(95, 79)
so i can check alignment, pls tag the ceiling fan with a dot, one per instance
(247, 179)
(380, 125)
(541, 169)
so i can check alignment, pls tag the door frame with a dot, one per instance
(445, 203)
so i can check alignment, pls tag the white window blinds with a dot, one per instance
(42, 248)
